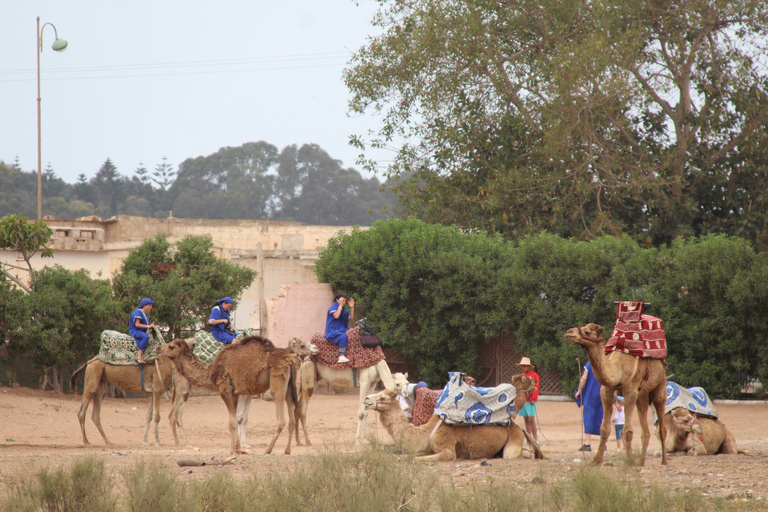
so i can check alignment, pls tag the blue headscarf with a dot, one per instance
(228, 300)
(144, 302)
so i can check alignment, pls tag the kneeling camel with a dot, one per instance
(697, 435)
(440, 442)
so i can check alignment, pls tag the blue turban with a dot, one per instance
(421, 384)
(228, 300)
(144, 302)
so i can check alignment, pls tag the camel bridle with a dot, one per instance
(589, 338)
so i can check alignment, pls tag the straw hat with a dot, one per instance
(525, 362)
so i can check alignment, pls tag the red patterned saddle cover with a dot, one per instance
(424, 405)
(637, 334)
(361, 357)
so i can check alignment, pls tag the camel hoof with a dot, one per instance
(241, 452)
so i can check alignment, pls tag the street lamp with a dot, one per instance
(59, 45)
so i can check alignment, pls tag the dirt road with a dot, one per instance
(41, 428)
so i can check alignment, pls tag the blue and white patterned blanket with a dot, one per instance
(462, 404)
(694, 399)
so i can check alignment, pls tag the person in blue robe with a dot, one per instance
(592, 406)
(337, 323)
(221, 325)
(138, 324)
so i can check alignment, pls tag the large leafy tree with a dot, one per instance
(582, 118)
(184, 280)
(26, 238)
(67, 312)
(313, 188)
(232, 183)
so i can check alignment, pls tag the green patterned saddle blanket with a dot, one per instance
(206, 346)
(120, 348)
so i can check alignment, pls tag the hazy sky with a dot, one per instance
(147, 79)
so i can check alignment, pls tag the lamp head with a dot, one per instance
(59, 45)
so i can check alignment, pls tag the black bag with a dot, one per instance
(368, 338)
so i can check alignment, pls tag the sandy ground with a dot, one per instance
(41, 429)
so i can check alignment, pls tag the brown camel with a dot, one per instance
(697, 435)
(158, 377)
(250, 367)
(640, 380)
(305, 383)
(440, 442)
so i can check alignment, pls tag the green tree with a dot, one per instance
(67, 312)
(109, 187)
(26, 238)
(232, 183)
(578, 118)
(313, 188)
(428, 290)
(184, 281)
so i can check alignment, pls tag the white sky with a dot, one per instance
(147, 79)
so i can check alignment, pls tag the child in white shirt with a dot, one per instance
(618, 420)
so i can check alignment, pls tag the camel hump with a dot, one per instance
(257, 339)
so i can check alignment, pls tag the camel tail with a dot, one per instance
(73, 380)
(292, 384)
(535, 447)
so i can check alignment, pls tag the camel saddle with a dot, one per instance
(424, 405)
(206, 346)
(462, 404)
(360, 356)
(120, 349)
(694, 399)
(637, 334)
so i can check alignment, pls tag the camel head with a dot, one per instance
(524, 383)
(587, 336)
(302, 348)
(401, 383)
(685, 420)
(176, 347)
(381, 401)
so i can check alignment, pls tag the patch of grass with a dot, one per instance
(84, 487)
(336, 481)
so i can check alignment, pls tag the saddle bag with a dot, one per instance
(368, 338)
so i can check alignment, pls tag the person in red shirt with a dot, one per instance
(528, 412)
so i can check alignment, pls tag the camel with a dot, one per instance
(250, 367)
(640, 380)
(697, 435)
(367, 379)
(157, 378)
(305, 385)
(437, 441)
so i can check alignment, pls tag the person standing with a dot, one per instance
(528, 412)
(220, 323)
(618, 420)
(337, 323)
(592, 406)
(138, 324)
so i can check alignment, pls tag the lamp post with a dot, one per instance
(59, 45)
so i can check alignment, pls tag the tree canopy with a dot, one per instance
(580, 118)
(253, 181)
(434, 294)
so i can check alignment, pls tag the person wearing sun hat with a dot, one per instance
(138, 324)
(528, 412)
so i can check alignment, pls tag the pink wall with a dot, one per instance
(298, 311)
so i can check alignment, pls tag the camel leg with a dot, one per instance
(157, 396)
(243, 408)
(513, 448)
(179, 396)
(292, 426)
(87, 398)
(301, 416)
(630, 404)
(150, 410)
(98, 396)
(606, 396)
(645, 435)
(659, 399)
(230, 400)
(367, 385)
(278, 392)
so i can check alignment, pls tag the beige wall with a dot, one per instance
(283, 253)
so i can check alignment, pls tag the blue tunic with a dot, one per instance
(336, 328)
(593, 405)
(219, 331)
(139, 333)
